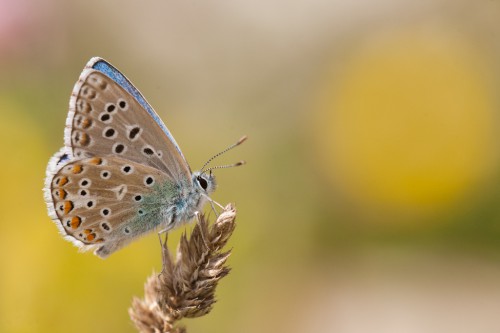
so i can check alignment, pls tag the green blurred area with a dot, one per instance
(370, 199)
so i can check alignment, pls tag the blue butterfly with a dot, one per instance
(120, 173)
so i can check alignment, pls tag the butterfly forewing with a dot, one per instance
(105, 119)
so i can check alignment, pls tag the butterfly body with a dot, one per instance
(169, 204)
(120, 174)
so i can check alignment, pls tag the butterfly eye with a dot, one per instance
(203, 183)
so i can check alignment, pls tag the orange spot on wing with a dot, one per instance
(68, 206)
(77, 169)
(87, 231)
(84, 139)
(61, 194)
(63, 181)
(96, 161)
(75, 222)
(91, 237)
(86, 123)
(100, 240)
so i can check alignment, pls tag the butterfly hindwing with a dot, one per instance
(105, 119)
(98, 202)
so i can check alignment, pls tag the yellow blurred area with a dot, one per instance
(410, 124)
(22, 151)
(370, 197)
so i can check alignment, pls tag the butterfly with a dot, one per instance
(120, 173)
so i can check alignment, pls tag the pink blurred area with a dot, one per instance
(20, 23)
(14, 20)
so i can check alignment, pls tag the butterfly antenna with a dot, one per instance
(239, 142)
(225, 166)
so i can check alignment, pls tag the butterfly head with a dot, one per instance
(204, 181)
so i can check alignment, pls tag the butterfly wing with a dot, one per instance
(108, 115)
(102, 202)
(110, 131)
(105, 67)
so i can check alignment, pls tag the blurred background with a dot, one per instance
(370, 201)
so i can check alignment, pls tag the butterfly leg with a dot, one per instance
(212, 202)
(167, 228)
(163, 246)
(160, 233)
(213, 209)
